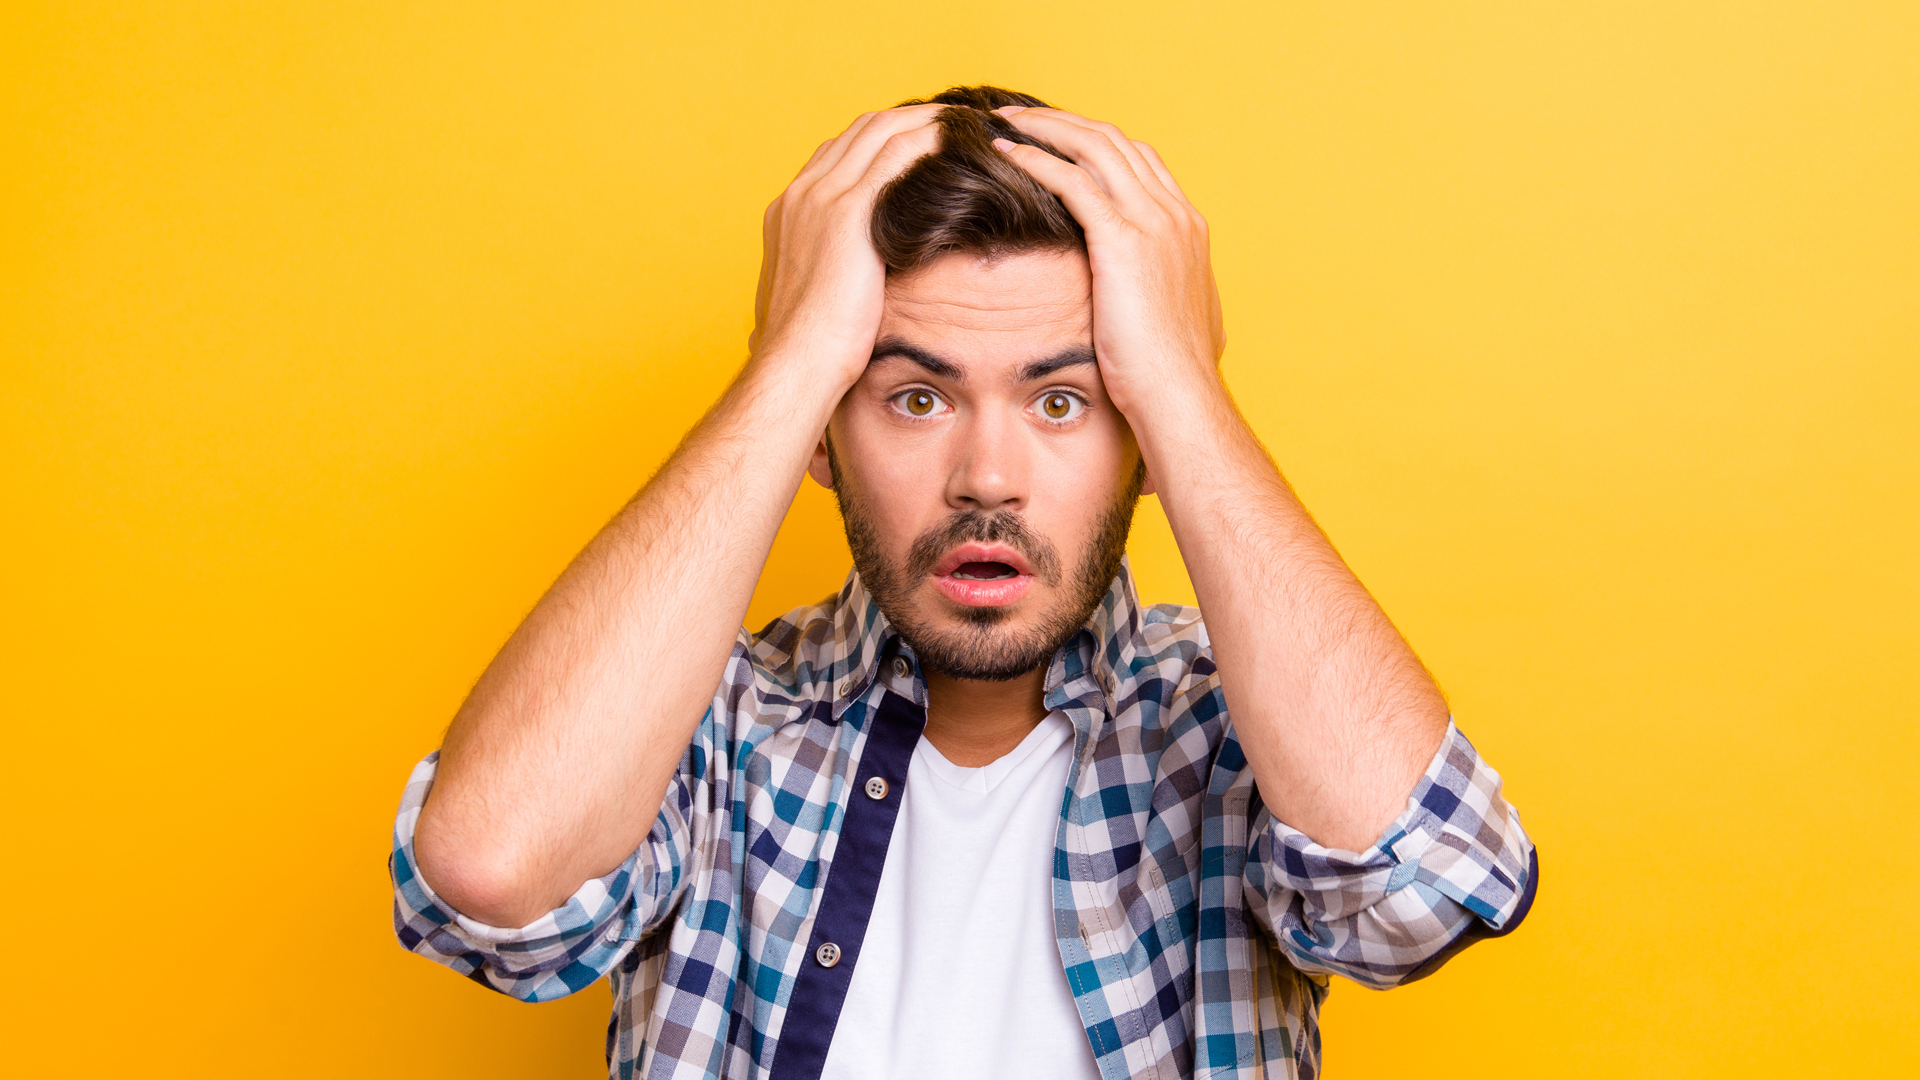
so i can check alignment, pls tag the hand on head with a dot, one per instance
(1156, 308)
(820, 278)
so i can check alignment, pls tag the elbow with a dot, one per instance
(486, 880)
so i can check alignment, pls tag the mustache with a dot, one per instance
(980, 527)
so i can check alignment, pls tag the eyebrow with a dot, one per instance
(895, 349)
(1074, 357)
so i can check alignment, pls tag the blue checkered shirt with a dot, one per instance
(1196, 931)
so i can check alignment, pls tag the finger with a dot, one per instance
(1061, 128)
(1160, 170)
(1092, 151)
(1085, 199)
(826, 158)
(901, 150)
(815, 156)
(1149, 178)
(861, 150)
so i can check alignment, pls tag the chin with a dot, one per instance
(985, 644)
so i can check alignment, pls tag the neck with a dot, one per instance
(975, 723)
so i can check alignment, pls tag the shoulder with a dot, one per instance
(1166, 705)
(1172, 624)
(796, 650)
(1169, 663)
(1171, 643)
(776, 675)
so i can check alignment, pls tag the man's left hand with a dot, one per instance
(1336, 714)
(1156, 310)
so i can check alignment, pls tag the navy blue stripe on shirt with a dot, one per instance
(852, 881)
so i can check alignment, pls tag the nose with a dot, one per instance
(992, 463)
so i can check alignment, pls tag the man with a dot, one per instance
(980, 814)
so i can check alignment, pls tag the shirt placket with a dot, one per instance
(872, 799)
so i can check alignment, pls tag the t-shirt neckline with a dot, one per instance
(1052, 730)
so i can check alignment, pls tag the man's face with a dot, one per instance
(986, 481)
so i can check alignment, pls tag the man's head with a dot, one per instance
(986, 481)
(967, 197)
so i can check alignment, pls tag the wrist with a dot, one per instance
(1193, 434)
(1177, 406)
(803, 381)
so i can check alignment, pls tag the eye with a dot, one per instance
(918, 402)
(1058, 405)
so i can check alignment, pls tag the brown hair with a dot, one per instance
(966, 196)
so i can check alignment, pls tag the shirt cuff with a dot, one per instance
(1458, 837)
(553, 955)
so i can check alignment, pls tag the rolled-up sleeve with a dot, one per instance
(567, 948)
(1453, 868)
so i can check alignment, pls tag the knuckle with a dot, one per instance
(904, 144)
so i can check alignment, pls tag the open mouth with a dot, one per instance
(984, 571)
(983, 575)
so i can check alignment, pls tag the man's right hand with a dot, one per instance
(820, 279)
(557, 764)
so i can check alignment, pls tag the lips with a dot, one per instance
(983, 554)
(983, 575)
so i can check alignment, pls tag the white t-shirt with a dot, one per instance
(959, 974)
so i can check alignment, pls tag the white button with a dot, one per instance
(877, 788)
(613, 933)
(901, 667)
(846, 687)
(828, 954)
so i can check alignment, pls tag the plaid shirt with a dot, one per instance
(1195, 929)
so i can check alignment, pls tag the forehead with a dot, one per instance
(1014, 306)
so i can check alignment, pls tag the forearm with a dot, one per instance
(555, 768)
(1337, 715)
(556, 765)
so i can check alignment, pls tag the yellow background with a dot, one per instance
(1590, 331)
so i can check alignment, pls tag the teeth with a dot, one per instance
(1004, 573)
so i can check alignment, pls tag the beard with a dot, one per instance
(986, 646)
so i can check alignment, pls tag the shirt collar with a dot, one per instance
(1094, 665)
(861, 638)
(1094, 669)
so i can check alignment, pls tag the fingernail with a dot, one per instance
(1009, 110)
(1003, 145)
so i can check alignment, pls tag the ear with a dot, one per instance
(817, 466)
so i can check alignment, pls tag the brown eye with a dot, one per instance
(1059, 406)
(919, 402)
